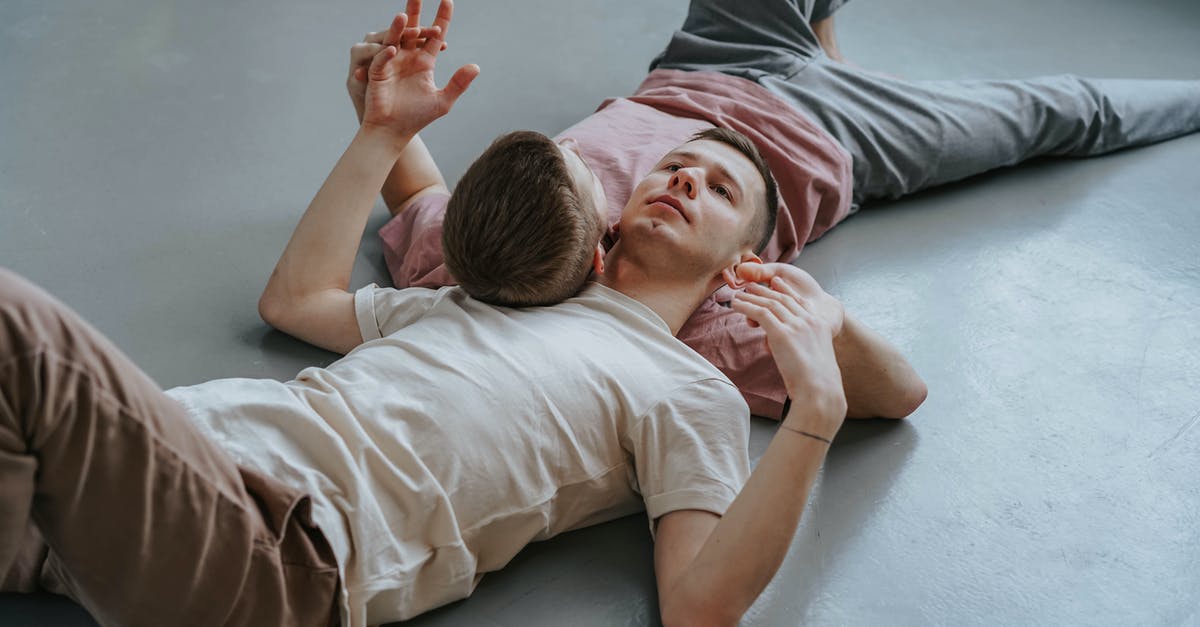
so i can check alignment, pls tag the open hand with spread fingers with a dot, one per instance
(413, 35)
(800, 320)
(401, 95)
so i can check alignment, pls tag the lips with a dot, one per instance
(673, 203)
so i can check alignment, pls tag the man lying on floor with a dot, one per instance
(451, 434)
(836, 136)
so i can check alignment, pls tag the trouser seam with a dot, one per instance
(103, 395)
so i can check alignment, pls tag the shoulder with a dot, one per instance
(710, 406)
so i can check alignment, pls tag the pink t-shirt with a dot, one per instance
(623, 140)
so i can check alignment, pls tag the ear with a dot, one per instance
(730, 272)
(598, 259)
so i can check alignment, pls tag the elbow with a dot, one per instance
(910, 398)
(915, 394)
(270, 309)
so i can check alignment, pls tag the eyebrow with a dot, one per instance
(725, 173)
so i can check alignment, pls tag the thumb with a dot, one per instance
(459, 83)
(379, 65)
(753, 272)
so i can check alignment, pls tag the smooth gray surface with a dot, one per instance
(155, 155)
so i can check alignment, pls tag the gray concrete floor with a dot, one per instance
(155, 156)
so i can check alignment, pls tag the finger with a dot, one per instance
(413, 37)
(459, 83)
(788, 301)
(375, 37)
(784, 286)
(444, 14)
(757, 315)
(750, 321)
(362, 53)
(413, 11)
(782, 314)
(395, 30)
(379, 65)
(756, 272)
(360, 73)
(433, 45)
(420, 33)
(418, 42)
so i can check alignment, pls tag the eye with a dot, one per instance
(672, 167)
(723, 191)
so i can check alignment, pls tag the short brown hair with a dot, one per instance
(764, 226)
(516, 231)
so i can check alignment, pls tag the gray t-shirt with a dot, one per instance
(460, 432)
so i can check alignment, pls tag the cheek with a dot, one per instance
(640, 191)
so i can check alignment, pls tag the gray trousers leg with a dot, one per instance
(748, 38)
(909, 135)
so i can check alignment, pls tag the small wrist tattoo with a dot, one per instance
(805, 433)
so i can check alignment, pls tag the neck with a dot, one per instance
(673, 298)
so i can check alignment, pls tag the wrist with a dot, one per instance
(382, 140)
(819, 415)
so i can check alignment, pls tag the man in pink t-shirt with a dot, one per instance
(835, 136)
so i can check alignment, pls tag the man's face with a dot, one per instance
(695, 207)
(586, 182)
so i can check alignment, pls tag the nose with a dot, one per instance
(686, 179)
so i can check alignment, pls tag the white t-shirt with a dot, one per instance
(459, 432)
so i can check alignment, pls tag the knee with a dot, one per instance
(15, 291)
(27, 313)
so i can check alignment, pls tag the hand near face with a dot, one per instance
(401, 96)
(800, 321)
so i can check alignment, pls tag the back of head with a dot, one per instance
(516, 231)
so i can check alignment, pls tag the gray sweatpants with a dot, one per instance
(908, 135)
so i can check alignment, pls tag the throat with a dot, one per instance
(672, 298)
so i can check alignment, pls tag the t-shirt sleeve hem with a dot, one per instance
(714, 498)
(364, 311)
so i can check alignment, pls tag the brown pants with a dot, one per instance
(145, 522)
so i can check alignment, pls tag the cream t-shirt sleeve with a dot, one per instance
(691, 449)
(381, 311)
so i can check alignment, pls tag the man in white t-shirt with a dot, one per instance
(451, 434)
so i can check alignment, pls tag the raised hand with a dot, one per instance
(401, 96)
(800, 320)
(363, 52)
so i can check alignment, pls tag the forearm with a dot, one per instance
(321, 252)
(414, 171)
(748, 544)
(879, 381)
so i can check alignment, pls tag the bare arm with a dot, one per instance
(414, 173)
(709, 569)
(307, 295)
(879, 381)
